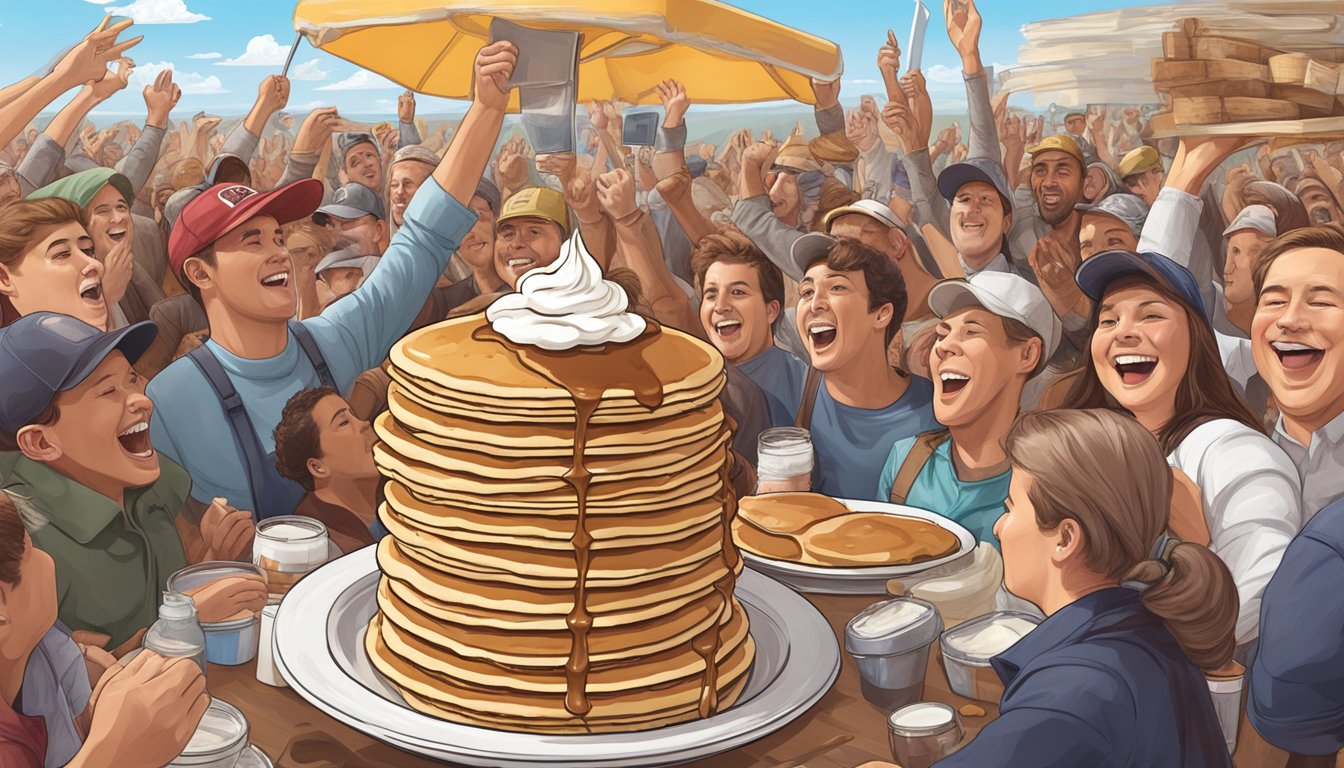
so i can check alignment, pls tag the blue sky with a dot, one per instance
(220, 49)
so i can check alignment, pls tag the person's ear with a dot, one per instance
(198, 273)
(1007, 221)
(900, 244)
(7, 287)
(772, 312)
(317, 469)
(382, 233)
(1068, 542)
(1031, 356)
(883, 316)
(37, 443)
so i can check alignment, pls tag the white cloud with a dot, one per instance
(210, 55)
(309, 70)
(158, 12)
(98, 2)
(941, 73)
(191, 83)
(363, 80)
(262, 51)
(864, 82)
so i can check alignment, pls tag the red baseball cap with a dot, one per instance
(222, 207)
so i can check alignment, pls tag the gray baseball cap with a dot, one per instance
(346, 257)
(1254, 217)
(984, 169)
(349, 140)
(1128, 208)
(351, 202)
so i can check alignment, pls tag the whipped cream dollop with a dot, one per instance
(566, 305)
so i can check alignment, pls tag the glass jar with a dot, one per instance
(219, 740)
(287, 548)
(922, 734)
(784, 460)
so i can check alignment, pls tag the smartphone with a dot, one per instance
(639, 127)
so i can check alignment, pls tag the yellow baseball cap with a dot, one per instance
(1059, 143)
(1139, 160)
(536, 202)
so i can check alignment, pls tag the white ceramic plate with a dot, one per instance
(868, 580)
(319, 648)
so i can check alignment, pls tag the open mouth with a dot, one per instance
(135, 441)
(1135, 369)
(954, 382)
(521, 264)
(972, 228)
(822, 336)
(1294, 356)
(91, 290)
(278, 280)
(116, 236)
(728, 329)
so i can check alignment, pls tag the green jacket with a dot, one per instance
(111, 566)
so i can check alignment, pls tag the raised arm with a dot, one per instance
(407, 133)
(160, 98)
(669, 162)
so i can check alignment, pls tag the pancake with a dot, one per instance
(765, 544)
(701, 485)
(867, 538)
(788, 513)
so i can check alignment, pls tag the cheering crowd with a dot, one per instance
(1111, 356)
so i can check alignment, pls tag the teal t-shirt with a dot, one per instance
(976, 505)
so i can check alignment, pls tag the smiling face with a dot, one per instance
(110, 220)
(101, 438)
(834, 320)
(786, 200)
(734, 312)
(1297, 335)
(478, 247)
(524, 244)
(1057, 185)
(364, 166)
(407, 176)
(250, 276)
(978, 222)
(1101, 232)
(1146, 184)
(1141, 350)
(58, 274)
(976, 368)
(1243, 251)
(344, 441)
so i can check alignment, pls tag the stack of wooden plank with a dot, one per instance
(1206, 79)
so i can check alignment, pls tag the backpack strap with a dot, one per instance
(809, 401)
(919, 455)
(309, 346)
(240, 424)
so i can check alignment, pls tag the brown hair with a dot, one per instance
(1327, 236)
(834, 194)
(9, 441)
(733, 247)
(1205, 392)
(11, 541)
(1072, 457)
(297, 438)
(25, 219)
(1289, 212)
(885, 283)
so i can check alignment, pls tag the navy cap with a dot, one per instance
(352, 201)
(44, 354)
(984, 169)
(1099, 272)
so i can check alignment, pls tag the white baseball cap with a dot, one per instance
(1006, 295)
(865, 207)
(1255, 217)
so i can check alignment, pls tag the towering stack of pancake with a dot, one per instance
(560, 556)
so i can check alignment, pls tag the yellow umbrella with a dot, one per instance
(722, 54)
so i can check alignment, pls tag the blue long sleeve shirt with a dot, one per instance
(353, 334)
(1297, 680)
(1100, 683)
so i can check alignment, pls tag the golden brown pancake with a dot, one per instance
(773, 546)
(788, 513)
(870, 538)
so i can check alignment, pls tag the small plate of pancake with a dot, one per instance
(817, 544)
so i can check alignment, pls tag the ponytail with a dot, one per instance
(1192, 591)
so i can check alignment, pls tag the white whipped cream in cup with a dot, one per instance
(565, 305)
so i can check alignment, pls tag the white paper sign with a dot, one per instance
(917, 28)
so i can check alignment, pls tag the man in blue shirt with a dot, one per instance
(228, 248)
(1297, 681)
(996, 331)
(741, 297)
(850, 304)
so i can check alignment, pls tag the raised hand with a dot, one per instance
(963, 29)
(273, 93)
(901, 121)
(1055, 264)
(827, 92)
(315, 132)
(559, 164)
(406, 107)
(921, 106)
(146, 712)
(113, 81)
(597, 115)
(860, 128)
(88, 60)
(616, 193)
(675, 103)
(889, 64)
(494, 68)
(160, 98)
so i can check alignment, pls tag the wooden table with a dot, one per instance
(842, 730)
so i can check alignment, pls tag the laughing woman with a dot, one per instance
(47, 263)
(1153, 355)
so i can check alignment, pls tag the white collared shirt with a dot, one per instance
(1320, 465)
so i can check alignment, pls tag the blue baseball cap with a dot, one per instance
(984, 169)
(1099, 272)
(45, 353)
